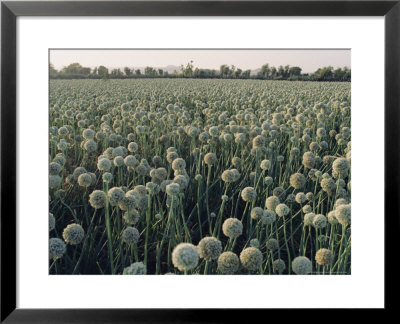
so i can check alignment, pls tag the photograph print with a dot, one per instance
(199, 162)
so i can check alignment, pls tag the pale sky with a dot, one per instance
(308, 60)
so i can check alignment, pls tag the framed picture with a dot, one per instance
(217, 149)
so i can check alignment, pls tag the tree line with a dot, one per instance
(266, 72)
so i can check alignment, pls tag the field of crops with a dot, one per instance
(190, 176)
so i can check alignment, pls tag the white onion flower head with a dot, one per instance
(130, 235)
(278, 265)
(232, 228)
(272, 202)
(85, 180)
(249, 194)
(301, 265)
(185, 256)
(300, 198)
(137, 268)
(256, 213)
(332, 218)
(297, 180)
(308, 219)
(178, 164)
(107, 177)
(319, 221)
(210, 158)
(255, 243)
(54, 181)
(251, 258)
(265, 165)
(73, 234)
(209, 248)
(104, 164)
(115, 196)
(343, 214)
(228, 263)
(282, 210)
(268, 217)
(324, 257)
(97, 199)
(57, 248)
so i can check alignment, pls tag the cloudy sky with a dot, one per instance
(308, 60)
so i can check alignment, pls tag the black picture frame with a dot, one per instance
(10, 10)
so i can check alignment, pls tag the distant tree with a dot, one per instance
(294, 71)
(265, 70)
(273, 72)
(52, 71)
(187, 71)
(128, 71)
(138, 72)
(238, 73)
(160, 72)
(102, 71)
(246, 74)
(324, 74)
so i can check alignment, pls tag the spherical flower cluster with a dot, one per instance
(251, 258)
(90, 146)
(268, 217)
(255, 243)
(54, 181)
(343, 214)
(232, 228)
(340, 168)
(301, 265)
(230, 175)
(85, 180)
(272, 202)
(265, 165)
(57, 248)
(130, 235)
(319, 221)
(308, 219)
(278, 265)
(185, 256)
(54, 168)
(178, 164)
(308, 160)
(332, 218)
(88, 134)
(137, 268)
(300, 198)
(268, 180)
(210, 158)
(130, 161)
(256, 213)
(297, 180)
(131, 216)
(104, 164)
(282, 210)
(249, 194)
(73, 234)
(324, 257)
(172, 189)
(209, 248)
(97, 199)
(132, 147)
(272, 244)
(115, 196)
(228, 263)
(107, 177)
